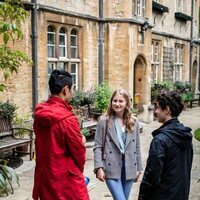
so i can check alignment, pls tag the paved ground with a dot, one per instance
(98, 190)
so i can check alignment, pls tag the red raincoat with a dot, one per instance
(60, 154)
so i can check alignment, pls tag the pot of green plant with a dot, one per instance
(187, 96)
(102, 97)
(7, 177)
(7, 110)
(83, 100)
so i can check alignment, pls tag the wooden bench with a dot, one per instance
(10, 140)
(195, 101)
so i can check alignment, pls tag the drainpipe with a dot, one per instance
(34, 37)
(100, 41)
(199, 68)
(191, 41)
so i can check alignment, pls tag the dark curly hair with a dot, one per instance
(58, 80)
(171, 99)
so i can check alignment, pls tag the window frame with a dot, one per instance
(178, 63)
(76, 44)
(53, 45)
(65, 62)
(179, 8)
(63, 46)
(75, 74)
(140, 8)
(155, 60)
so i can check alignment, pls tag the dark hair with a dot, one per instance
(58, 80)
(171, 99)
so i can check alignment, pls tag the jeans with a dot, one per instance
(120, 188)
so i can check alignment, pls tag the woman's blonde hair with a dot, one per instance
(127, 115)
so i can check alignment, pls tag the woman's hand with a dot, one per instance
(100, 174)
(137, 176)
(83, 140)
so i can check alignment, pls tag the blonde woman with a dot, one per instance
(117, 136)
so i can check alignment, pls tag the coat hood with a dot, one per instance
(177, 132)
(53, 110)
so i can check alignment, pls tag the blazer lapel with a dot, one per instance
(129, 137)
(112, 131)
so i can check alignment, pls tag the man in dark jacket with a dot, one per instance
(168, 169)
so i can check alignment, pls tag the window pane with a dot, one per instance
(73, 45)
(73, 52)
(73, 68)
(154, 73)
(51, 38)
(51, 42)
(50, 67)
(73, 40)
(62, 52)
(62, 44)
(74, 73)
(179, 5)
(152, 53)
(139, 7)
(63, 66)
(51, 50)
(62, 39)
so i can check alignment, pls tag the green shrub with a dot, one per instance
(85, 132)
(7, 110)
(197, 134)
(81, 98)
(103, 94)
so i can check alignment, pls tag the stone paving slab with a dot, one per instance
(97, 189)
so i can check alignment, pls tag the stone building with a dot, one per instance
(129, 44)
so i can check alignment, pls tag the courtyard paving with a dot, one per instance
(97, 189)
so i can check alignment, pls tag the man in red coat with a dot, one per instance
(60, 152)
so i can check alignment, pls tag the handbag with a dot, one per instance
(104, 139)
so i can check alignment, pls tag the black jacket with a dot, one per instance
(168, 169)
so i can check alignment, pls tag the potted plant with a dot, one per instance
(7, 110)
(7, 177)
(185, 89)
(102, 97)
(82, 100)
(187, 97)
(159, 87)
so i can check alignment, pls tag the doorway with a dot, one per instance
(140, 80)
